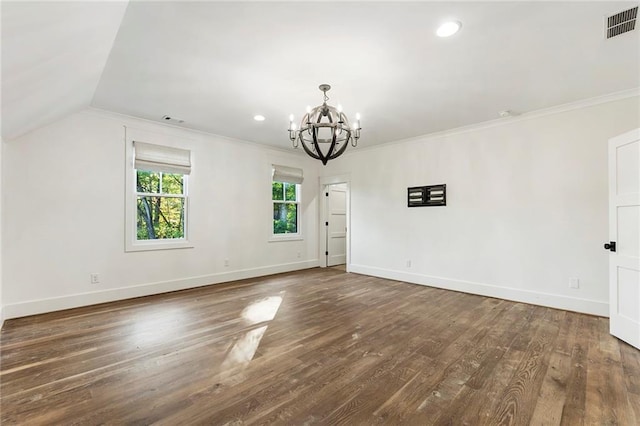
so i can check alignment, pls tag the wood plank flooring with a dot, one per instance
(319, 346)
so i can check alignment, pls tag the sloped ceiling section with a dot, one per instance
(217, 64)
(53, 54)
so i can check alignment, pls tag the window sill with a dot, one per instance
(285, 237)
(156, 245)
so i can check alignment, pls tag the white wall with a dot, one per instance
(64, 215)
(527, 210)
(526, 207)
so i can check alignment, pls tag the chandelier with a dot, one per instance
(324, 131)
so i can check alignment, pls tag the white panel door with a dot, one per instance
(337, 224)
(624, 234)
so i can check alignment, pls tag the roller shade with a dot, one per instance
(160, 158)
(287, 174)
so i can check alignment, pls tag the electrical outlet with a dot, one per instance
(298, 255)
(574, 283)
(408, 264)
(226, 262)
(95, 278)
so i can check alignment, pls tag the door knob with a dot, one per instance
(611, 246)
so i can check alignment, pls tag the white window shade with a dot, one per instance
(287, 174)
(158, 158)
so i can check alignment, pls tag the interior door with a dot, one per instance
(337, 224)
(624, 235)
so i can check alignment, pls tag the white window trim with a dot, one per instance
(289, 236)
(132, 244)
(285, 237)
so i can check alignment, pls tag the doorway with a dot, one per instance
(336, 224)
(334, 227)
(624, 237)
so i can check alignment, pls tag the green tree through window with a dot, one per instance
(285, 197)
(160, 205)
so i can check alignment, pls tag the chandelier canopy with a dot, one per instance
(324, 131)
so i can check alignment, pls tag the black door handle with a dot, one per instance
(611, 246)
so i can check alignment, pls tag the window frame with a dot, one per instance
(287, 236)
(132, 244)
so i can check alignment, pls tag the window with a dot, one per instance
(157, 210)
(285, 197)
(285, 207)
(160, 202)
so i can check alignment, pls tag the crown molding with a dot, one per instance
(178, 130)
(584, 103)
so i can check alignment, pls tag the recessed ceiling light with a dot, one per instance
(448, 29)
(258, 117)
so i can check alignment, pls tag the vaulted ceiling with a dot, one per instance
(53, 55)
(217, 64)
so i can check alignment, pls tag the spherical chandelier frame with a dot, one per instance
(319, 120)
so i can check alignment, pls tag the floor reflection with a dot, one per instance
(262, 310)
(157, 326)
(244, 349)
(241, 354)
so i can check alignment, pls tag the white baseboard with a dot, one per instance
(40, 306)
(592, 307)
(1, 317)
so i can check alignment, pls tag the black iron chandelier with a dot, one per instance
(324, 131)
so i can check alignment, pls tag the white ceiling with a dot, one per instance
(217, 64)
(53, 54)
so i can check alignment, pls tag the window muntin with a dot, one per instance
(286, 206)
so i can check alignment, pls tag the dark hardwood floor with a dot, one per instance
(316, 347)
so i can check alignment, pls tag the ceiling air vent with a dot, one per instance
(622, 22)
(170, 119)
